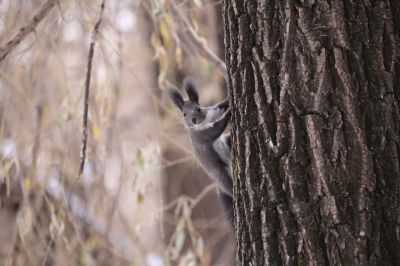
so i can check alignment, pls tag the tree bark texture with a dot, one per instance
(314, 88)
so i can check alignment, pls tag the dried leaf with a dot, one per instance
(178, 55)
(67, 110)
(57, 224)
(139, 198)
(24, 222)
(96, 131)
(84, 260)
(159, 6)
(5, 167)
(140, 158)
(178, 240)
(162, 56)
(189, 259)
(199, 247)
(164, 31)
(27, 184)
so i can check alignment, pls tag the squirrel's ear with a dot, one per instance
(191, 90)
(176, 97)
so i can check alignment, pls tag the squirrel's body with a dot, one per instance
(211, 147)
(214, 158)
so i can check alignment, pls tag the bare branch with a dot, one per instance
(24, 31)
(205, 51)
(87, 85)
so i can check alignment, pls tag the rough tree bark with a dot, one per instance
(314, 88)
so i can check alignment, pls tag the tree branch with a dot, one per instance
(205, 51)
(24, 31)
(87, 86)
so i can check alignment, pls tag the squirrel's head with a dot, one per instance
(192, 113)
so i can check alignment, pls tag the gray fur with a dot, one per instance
(205, 126)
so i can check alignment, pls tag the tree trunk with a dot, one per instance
(314, 88)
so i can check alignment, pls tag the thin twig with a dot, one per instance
(36, 142)
(193, 201)
(202, 194)
(87, 85)
(24, 31)
(205, 51)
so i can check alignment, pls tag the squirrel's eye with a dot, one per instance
(184, 114)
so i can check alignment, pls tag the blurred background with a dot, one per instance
(142, 198)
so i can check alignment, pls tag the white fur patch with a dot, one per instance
(212, 114)
(223, 150)
(202, 126)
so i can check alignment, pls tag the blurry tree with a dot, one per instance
(50, 217)
(314, 88)
(111, 213)
(184, 39)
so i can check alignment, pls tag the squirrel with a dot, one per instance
(212, 148)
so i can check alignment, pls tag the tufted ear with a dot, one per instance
(191, 90)
(176, 97)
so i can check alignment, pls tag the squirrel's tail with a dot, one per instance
(227, 205)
